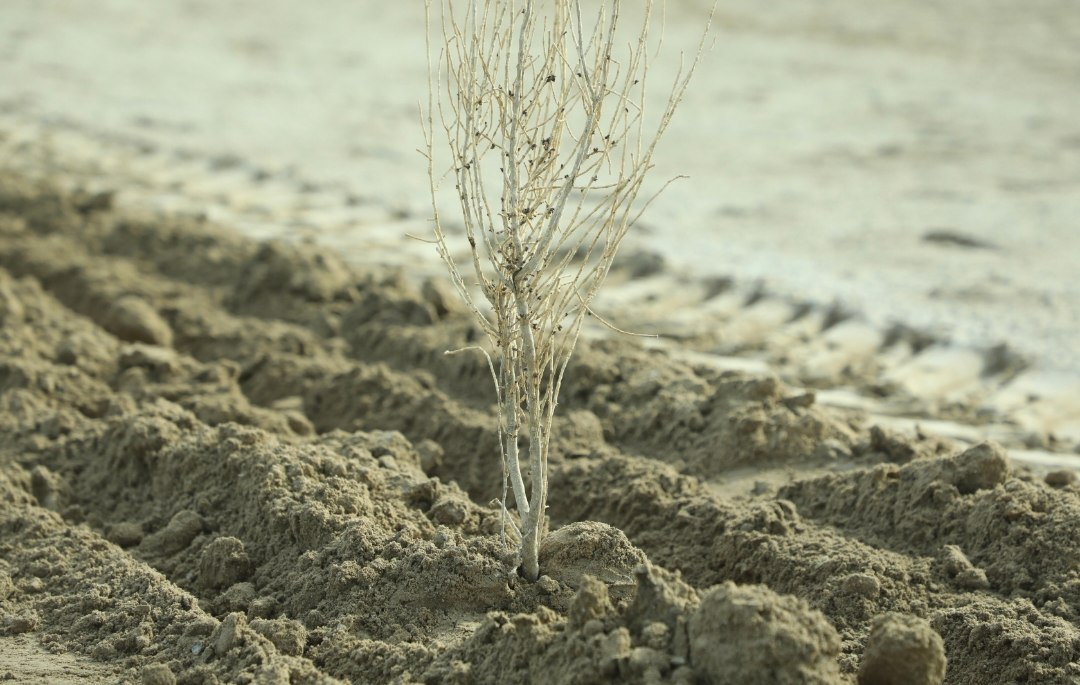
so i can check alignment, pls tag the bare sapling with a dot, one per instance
(544, 119)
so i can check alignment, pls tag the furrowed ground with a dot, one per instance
(231, 461)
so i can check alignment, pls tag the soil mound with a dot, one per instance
(223, 461)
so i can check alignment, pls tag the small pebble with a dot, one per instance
(1060, 479)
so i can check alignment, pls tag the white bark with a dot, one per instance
(550, 110)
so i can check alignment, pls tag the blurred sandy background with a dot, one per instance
(917, 162)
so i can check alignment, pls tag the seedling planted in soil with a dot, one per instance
(544, 118)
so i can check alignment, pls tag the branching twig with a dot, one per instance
(544, 119)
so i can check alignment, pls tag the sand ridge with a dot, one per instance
(231, 461)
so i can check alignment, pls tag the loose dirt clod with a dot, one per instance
(902, 649)
(576, 550)
(749, 634)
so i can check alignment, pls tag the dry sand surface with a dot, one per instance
(232, 450)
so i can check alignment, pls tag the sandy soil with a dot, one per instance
(224, 461)
(232, 450)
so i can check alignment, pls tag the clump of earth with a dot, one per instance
(224, 461)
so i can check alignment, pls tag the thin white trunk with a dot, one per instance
(537, 99)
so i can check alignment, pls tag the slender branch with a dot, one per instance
(536, 105)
